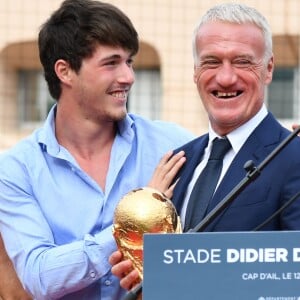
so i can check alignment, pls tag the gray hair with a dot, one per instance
(238, 14)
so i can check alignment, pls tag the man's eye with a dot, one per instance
(242, 63)
(130, 62)
(111, 63)
(210, 64)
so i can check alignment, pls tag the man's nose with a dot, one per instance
(226, 74)
(126, 74)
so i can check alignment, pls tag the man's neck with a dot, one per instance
(82, 137)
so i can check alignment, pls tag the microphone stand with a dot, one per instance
(252, 173)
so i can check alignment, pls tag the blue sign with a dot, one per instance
(222, 266)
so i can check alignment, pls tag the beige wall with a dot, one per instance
(166, 25)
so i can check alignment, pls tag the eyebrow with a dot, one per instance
(113, 56)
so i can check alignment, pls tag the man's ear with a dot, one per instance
(195, 75)
(63, 71)
(270, 69)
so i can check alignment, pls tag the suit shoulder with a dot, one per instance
(195, 143)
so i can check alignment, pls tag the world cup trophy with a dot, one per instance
(143, 210)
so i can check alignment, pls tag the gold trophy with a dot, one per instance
(143, 210)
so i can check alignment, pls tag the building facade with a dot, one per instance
(164, 87)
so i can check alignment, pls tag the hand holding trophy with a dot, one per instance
(143, 210)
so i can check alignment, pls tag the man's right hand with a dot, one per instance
(123, 269)
(165, 172)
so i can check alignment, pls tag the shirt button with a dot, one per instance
(93, 274)
(107, 282)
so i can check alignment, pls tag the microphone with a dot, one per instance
(252, 173)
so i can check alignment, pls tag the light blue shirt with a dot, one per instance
(56, 221)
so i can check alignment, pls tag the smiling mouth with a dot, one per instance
(120, 95)
(224, 95)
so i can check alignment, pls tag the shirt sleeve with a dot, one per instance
(45, 268)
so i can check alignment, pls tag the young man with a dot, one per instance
(233, 64)
(60, 186)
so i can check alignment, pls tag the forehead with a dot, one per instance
(224, 36)
(106, 50)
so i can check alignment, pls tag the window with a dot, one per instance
(145, 94)
(34, 98)
(283, 94)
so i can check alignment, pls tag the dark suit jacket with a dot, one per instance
(278, 181)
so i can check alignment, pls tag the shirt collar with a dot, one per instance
(46, 136)
(239, 136)
(47, 139)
